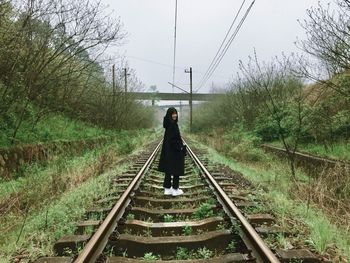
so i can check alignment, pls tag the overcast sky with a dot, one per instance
(271, 28)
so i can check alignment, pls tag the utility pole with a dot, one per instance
(113, 78)
(113, 84)
(190, 101)
(125, 80)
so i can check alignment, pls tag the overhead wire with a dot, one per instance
(213, 66)
(223, 41)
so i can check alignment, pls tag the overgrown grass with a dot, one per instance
(55, 194)
(53, 127)
(54, 220)
(337, 151)
(271, 174)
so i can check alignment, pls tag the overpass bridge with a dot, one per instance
(190, 96)
(175, 96)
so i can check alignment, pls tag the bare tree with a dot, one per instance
(280, 93)
(328, 42)
(52, 48)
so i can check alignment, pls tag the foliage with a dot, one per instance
(205, 210)
(168, 218)
(204, 253)
(52, 127)
(286, 201)
(231, 247)
(182, 253)
(187, 230)
(51, 62)
(150, 257)
(54, 196)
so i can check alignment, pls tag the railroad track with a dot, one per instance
(137, 222)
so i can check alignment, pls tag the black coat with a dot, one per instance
(172, 159)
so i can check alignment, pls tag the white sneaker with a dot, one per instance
(168, 191)
(177, 192)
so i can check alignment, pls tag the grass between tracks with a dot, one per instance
(286, 199)
(42, 206)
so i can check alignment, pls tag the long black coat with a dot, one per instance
(172, 159)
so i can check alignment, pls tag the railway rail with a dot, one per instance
(139, 223)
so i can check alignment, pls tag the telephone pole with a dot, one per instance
(113, 84)
(190, 101)
(125, 80)
(113, 77)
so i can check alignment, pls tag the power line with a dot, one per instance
(174, 60)
(222, 43)
(155, 62)
(182, 68)
(227, 46)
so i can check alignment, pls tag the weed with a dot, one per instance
(149, 257)
(204, 211)
(67, 252)
(220, 226)
(89, 230)
(271, 174)
(182, 253)
(231, 247)
(130, 216)
(127, 231)
(168, 218)
(204, 253)
(108, 251)
(187, 230)
(147, 232)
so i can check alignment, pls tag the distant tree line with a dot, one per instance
(296, 98)
(50, 61)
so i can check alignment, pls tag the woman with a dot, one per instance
(172, 160)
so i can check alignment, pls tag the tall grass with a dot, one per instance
(337, 150)
(54, 195)
(270, 174)
(53, 127)
(54, 220)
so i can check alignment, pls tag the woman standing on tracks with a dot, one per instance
(172, 158)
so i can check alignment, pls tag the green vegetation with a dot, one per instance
(231, 247)
(270, 99)
(187, 230)
(205, 210)
(130, 217)
(204, 253)
(58, 67)
(286, 199)
(51, 197)
(55, 219)
(54, 127)
(336, 151)
(182, 253)
(185, 254)
(270, 102)
(168, 218)
(150, 257)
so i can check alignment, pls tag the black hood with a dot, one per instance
(167, 118)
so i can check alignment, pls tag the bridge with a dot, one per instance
(190, 96)
(175, 96)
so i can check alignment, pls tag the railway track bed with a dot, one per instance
(217, 219)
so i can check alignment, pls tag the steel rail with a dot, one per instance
(98, 241)
(263, 253)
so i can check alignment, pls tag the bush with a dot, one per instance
(267, 129)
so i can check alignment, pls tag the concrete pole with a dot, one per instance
(190, 99)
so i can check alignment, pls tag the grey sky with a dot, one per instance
(271, 28)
